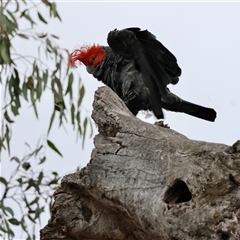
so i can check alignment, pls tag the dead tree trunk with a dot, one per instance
(147, 182)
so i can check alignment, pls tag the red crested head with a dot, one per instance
(88, 55)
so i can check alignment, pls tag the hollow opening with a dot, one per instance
(177, 192)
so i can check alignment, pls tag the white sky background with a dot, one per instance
(205, 39)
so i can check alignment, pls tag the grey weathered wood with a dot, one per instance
(137, 174)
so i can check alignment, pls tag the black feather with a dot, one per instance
(138, 68)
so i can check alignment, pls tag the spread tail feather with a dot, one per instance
(198, 111)
(192, 109)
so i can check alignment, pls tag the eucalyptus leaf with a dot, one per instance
(53, 147)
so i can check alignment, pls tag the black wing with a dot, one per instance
(162, 57)
(158, 65)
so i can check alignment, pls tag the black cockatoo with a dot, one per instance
(138, 68)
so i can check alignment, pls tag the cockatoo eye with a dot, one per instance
(90, 69)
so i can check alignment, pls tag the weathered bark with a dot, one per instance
(147, 182)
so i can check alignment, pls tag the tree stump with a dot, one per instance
(147, 182)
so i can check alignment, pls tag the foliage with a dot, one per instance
(25, 79)
(28, 188)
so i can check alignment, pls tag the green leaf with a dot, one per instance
(25, 91)
(7, 137)
(91, 127)
(81, 95)
(59, 102)
(4, 181)
(44, 79)
(55, 174)
(15, 159)
(41, 18)
(7, 209)
(43, 35)
(15, 92)
(23, 224)
(53, 147)
(2, 230)
(16, 83)
(20, 181)
(51, 49)
(73, 114)
(39, 88)
(23, 36)
(2, 146)
(40, 178)
(10, 25)
(53, 10)
(26, 166)
(78, 117)
(58, 95)
(5, 53)
(27, 17)
(10, 233)
(38, 211)
(53, 182)
(84, 131)
(46, 2)
(12, 17)
(30, 83)
(14, 221)
(69, 87)
(7, 117)
(29, 216)
(34, 201)
(42, 160)
(34, 102)
(51, 121)
(32, 183)
(54, 36)
(14, 110)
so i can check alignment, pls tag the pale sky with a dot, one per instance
(204, 37)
